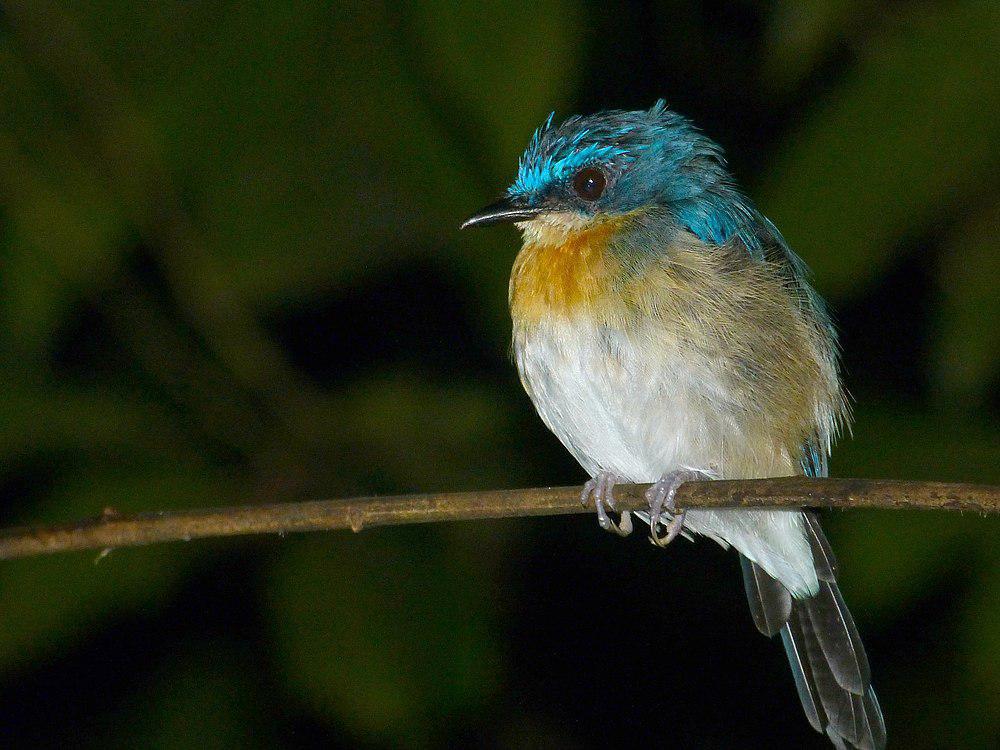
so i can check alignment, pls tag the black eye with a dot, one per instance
(589, 183)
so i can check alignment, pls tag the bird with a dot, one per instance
(666, 332)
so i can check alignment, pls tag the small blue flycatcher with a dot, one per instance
(665, 332)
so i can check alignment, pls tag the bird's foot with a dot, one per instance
(600, 489)
(660, 497)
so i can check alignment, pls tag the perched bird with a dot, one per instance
(666, 332)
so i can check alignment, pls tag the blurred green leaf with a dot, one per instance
(63, 419)
(890, 559)
(801, 31)
(389, 633)
(901, 440)
(429, 436)
(488, 57)
(342, 607)
(967, 339)
(980, 641)
(51, 600)
(911, 131)
(61, 239)
(204, 698)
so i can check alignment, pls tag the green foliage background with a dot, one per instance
(184, 186)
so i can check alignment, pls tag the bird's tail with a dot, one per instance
(824, 649)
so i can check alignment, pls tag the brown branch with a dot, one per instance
(115, 530)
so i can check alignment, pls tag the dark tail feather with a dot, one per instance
(770, 602)
(824, 649)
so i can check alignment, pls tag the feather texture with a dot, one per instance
(826, 656)
(770, 602)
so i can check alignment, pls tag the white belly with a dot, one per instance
(619, 407)
(636, 405)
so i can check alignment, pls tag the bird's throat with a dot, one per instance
(564, 272)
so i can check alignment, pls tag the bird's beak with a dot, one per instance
(505, 210)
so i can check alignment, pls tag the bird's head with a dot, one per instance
(591, 169)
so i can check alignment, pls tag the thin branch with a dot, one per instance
(112, 529)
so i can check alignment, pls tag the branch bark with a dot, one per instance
(111, 529)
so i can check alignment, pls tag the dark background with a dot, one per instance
(230, 272)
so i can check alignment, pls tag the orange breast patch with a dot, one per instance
(563, 277)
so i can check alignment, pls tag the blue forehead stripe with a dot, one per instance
(535, 173)
(547, 161)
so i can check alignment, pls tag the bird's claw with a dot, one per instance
(661, 497)
(600, 489)
(673, 529)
